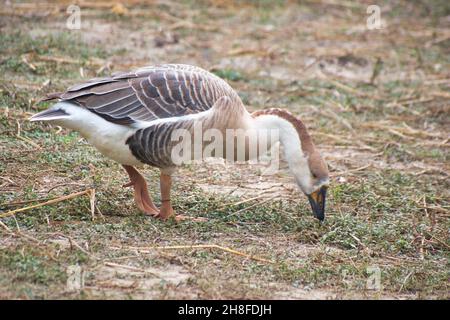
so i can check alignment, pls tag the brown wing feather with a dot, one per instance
(149, 93)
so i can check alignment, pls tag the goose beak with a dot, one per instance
(317, 201)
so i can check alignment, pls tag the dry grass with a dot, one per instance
(376, 103)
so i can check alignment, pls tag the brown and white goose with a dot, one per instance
(131, 118)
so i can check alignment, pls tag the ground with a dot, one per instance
(375, 101)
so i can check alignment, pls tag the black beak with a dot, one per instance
(317, 201)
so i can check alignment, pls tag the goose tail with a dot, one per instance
(50, 114)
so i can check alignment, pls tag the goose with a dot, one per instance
(131, 117)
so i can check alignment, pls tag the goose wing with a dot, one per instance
(149, 93)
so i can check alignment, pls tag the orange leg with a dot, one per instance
(141, 196)
(166, 210)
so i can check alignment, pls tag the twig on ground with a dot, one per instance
(23, 138)
(18, 233)
(92, 202)
(353, 90)
(438, 240)
(352, 170)
(197, 246)
(241, 202)
(73, 243)
(29, 64)
(116, 265)
(70, 196)
(405, 280)
(4, 226)
(254, 205)
(64, 184)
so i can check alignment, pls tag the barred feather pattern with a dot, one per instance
(150, 93)
(153, 145)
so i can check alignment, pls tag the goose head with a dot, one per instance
(311, 175)
(305, 162)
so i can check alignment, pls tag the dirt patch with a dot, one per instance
(119, 281)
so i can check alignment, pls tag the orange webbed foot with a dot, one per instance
(141, 195)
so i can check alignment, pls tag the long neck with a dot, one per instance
(279, 130)
(293, 137)
(292, 131)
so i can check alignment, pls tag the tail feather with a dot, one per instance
(50, 114)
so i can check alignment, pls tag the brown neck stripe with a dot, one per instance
(305, 138)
